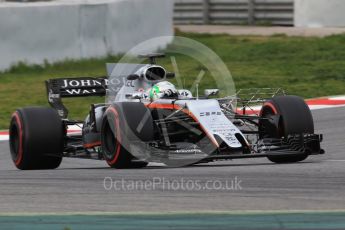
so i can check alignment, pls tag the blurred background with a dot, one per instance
(297, 45)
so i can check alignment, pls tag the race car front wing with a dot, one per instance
(307, 144)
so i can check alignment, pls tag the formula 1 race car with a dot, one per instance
(146, 119)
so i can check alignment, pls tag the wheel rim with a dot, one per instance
(15, 138)
(109, 142)
(268, 111)
(14, 141)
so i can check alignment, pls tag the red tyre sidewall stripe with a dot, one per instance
(269, 104)
(19, 158)
(93, 144)
(118, 138)
(275, 111)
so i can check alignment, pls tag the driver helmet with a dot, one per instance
(163, 89)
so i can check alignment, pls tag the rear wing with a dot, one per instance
(90, 86)
(73, 87)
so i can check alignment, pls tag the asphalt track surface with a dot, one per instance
(317, 184)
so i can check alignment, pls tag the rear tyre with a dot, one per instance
(295, 118)
(36, 138)
(120, 123)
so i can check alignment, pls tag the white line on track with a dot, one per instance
(247, 212)
(336, 160)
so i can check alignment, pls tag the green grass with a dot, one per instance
(309, 67)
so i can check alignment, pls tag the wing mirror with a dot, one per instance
(170, 75)
(211, 92)
(132, 77)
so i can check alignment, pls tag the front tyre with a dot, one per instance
(295, 118)
(36, 138)
(120, 123)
